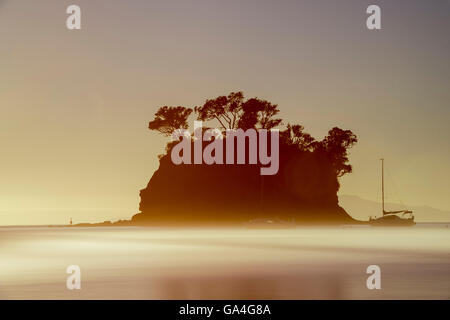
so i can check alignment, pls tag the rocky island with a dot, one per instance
(304, 190)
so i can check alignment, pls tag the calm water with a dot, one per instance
(150, 263)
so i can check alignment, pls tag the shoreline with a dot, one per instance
(437, 224)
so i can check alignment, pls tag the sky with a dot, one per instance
(75, 104)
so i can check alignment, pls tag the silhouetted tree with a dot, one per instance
(232, 112)
(259, 114)
(336, 145)
(227, 110)
(168, 119)
(294, 135)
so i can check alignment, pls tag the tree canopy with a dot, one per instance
(336, 145)
(234, 112)
(168, 119)
(227, 110)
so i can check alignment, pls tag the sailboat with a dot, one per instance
(400, 218)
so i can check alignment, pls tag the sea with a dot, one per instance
(226, 263)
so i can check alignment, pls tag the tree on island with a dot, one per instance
(168, 119)
(232, 112)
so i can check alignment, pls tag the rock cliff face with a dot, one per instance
(304, 190)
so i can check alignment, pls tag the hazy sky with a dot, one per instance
(75, 105)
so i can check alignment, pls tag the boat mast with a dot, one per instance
(382, 184)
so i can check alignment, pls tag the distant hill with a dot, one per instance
(361, 209)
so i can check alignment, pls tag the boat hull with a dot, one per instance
(392, 221)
